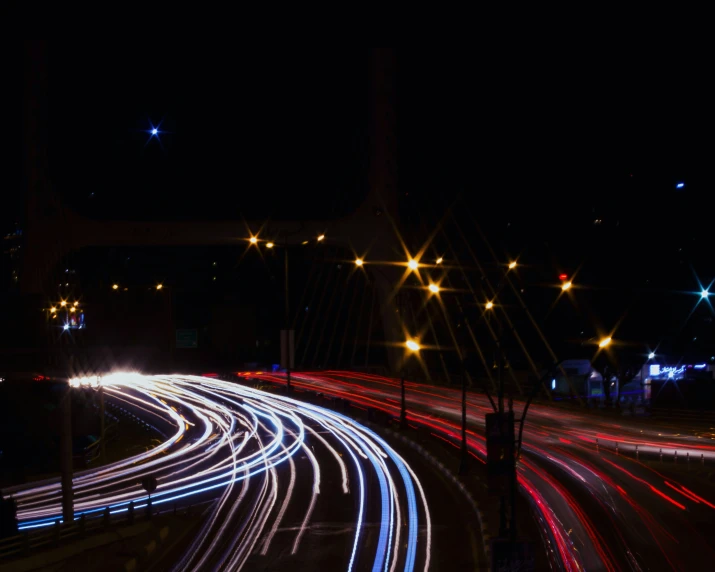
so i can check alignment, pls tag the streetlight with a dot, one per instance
(434, 288)
(270, 245)
(512, 265)
(321, 237)
(253, 240)
(159, 286)
(490, 305)
(651, 355)
(704, 294)
(439, 260)
(565, 286)
(413, 347)
(63, 303)
(115, 286)
(605, 342)
(359, 261)
(413, 264)
(53, 309)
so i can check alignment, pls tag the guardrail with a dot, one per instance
(55, 534)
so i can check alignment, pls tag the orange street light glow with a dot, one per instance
(321, 237)
(413, 264)
(512, 265)
(359, 261)
(566, 286)
(269, 245)
(434, 288)
(412, 346)
(490, 305)
(253, 240)
(439, 260)
(604, 342)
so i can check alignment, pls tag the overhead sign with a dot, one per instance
(187, 339)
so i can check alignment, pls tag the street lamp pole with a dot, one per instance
(287, 321)
(463, 461)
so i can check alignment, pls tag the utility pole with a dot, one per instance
(102, 435)
(287, 322)
(66, 454)
(463, 459)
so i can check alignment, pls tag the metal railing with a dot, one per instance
(54, 535)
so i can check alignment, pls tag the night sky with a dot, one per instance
(570, 164)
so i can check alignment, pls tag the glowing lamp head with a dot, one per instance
(154, 131)
(66, 327)
(359, 261)
(679, 185)
(605, 342)
(704, 294)
(76, 304)
(512, 265)
(270, 245)
(253, 240)
(115, 286)
(439, 260)
(53, 309)
(159, 286)
(651, 355)
(413, 264)
(433, 288)
(321, 237)
(565, 286)
(63, 303)
(412, 345)
(72, 309)
(490, 305)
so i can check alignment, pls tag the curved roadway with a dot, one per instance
(264, 462)
(599, 506)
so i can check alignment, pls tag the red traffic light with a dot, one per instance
(563, 276)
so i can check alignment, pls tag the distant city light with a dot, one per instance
(321, 237)
(63, 303)
(553, 384)
(253, 240)
(704, 294)
(413, 264)
(159, 286)
(434, 288)
(115, 286)
(412, 346)
(270, 245)
(563, 276)
(651, 355)
(439, 260)
(604, 342)
(76, 304)
(565, 286)
(490, 305)
(679, 185)
(66, 327)
(359, 261)
(154, 131)
(72, 309)
(53, 309)
(512, 265)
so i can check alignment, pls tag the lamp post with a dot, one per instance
(412, 347)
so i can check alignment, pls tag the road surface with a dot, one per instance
(265, 465)
(599, 505)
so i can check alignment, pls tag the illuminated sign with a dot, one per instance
(656, 370)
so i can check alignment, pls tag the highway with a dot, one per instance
(262, 465)
(599, 504)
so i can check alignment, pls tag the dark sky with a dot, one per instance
(537, 149)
